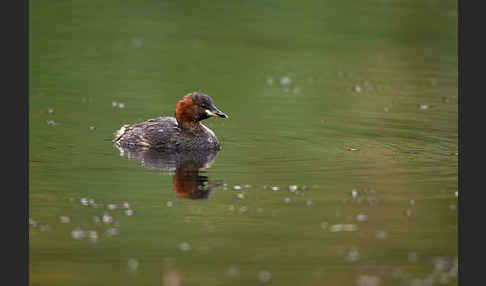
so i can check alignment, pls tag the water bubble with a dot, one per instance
(111, 206)
(412, 202)
(64, 219)
(440, 264)
(423, 106)
(409, 212)
(264, 276)
(84, 201)
(91, 128)
(275, 188)
(457, 194)
(237, 187)
(32, 222)
(77, 233)
(357, 88)
(129, 212)
(380, 235)
(112, 231)
(169, 204)
(240, 196)
(269, 80)
(247, 186)
(285, 80)
(114, 104)
(126, 205)
(184, 246)
(293, 188)
(287, 200)
(132, 264)
(121, 105)
(368, 280)
(309, 203)
(362, 217)
(336, 228)
(51, 123)
(137, 42)
(354, 193)
(233, 271)
(353, 149)
(353, 255)
(368, 85)
(93, 235)
(50, 111)
(107, 218)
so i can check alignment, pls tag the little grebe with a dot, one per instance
(184, 132)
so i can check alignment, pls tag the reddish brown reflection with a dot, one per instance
(188, 181)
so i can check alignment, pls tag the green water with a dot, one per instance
(366, 129)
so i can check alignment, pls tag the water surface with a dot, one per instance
(338, 162)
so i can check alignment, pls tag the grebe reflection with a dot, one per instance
(188, 182)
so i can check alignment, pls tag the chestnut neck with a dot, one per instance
(186, 114)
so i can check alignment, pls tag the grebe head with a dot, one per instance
(195, 107)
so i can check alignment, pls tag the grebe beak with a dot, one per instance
(214, 112)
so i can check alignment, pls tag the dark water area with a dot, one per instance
(339, 159)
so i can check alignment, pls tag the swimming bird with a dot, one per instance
(184, 132)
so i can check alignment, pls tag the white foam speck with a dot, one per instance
(132, 264)
(264, 276)
(293, 188)
(184, 246)
(285, 80)
(362, 217)
(78, 234)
